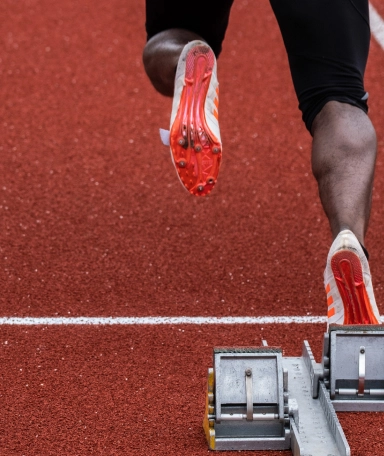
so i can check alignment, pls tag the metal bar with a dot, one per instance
(361, 371)
(285, 380)
(347, 391)
(243, 416)
(249, 392)
(280, 387)
(254, 443)
(375, 391)
(358, 405)
(354, 392)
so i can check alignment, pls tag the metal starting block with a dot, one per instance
(259, 400)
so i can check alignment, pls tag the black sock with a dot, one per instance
(365, 251)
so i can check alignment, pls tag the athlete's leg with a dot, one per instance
(327, 44)
(170, 25)
(161, 55)
(343, 162)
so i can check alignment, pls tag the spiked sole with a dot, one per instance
(196, 151)
(348, 274)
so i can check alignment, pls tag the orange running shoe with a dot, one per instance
(194, 132)
(348, 283)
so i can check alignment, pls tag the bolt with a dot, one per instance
(200, 188)
(182, 164)
(215, 150)
(181, 141)
(248, 372)
(362, 351)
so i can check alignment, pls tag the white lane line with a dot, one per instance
(132, 321)
(95, 321)
(377, 25)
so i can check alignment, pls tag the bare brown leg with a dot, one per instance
(161, 55)
(343, 162)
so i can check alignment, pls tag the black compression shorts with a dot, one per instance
(211, 26)
(327, 42)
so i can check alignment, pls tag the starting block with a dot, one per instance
(259, 400)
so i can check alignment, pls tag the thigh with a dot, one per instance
(327, 42)
(206, 18)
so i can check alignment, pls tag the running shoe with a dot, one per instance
(348, 283)
(194, 131)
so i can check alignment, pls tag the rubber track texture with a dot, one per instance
(94, 223)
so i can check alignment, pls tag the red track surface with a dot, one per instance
(95, 222)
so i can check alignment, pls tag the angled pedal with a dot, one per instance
(247, 401)
(354, 367)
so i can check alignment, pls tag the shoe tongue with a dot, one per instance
(165, 136)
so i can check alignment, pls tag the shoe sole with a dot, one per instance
(348, 274)
(196, 151)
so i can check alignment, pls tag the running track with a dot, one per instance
(95, 224)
